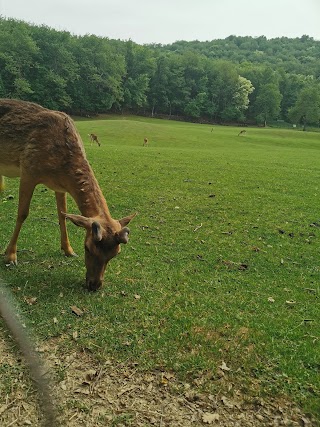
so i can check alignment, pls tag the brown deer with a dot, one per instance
(242, 132)
(94, 138)
(145, 142)
(43, 147)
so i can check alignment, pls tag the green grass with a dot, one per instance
(222, 244)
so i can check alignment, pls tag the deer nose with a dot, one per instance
(94, 285)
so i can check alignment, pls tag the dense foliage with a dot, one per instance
(236, 79)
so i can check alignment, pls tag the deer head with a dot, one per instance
(102, 243)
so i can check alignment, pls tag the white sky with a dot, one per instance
(165, 21)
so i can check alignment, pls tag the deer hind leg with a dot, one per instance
(25, 194)
(61, 199)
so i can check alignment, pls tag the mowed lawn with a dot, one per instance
(222, 266)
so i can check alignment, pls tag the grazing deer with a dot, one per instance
(145, 142)
(43, 147)
(242, 132)
(94, 138)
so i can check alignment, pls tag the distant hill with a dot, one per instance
(298, 55)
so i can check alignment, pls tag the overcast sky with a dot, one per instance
(165, 21)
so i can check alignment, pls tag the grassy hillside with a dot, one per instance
(222, 265)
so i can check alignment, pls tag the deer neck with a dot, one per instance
(87, 194)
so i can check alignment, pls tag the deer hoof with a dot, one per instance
(71, 254)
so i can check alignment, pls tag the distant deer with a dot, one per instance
(42, 146)
(242, 132)
(94, 138)
(145, 142)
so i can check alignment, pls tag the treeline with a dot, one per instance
(237, 79)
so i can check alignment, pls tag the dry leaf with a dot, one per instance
(224, 367)
(137, 296)
(243, 330)
(228, 403)
(3, 408)
(91, 375)
(76, 310)
(127, 390)
(55, 320)
(82, 391)
(290, 303)
(168, 375)
(31, 300)
(210, 418)
(165, 377)
(305, 421)
(270, 299)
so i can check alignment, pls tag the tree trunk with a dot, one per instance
(304, 124)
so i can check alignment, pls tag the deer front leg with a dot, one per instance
(25, 194)
(61, 200)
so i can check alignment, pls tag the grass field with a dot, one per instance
(222, 266)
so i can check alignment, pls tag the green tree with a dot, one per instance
(290, 87)
(194, 84)
(241, 97)
(307, 106)
(267, 103)
(227, 91)
(55, 69)
(196, 106)
(101, 70)
(17, 57)
(240, 101)
(158, 93)
(177, 90)
(259, 75)
(139, 69)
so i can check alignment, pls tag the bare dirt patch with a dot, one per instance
(90, 393)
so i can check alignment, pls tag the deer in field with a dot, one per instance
(42, 146)
(242, 132)
(94, 138)
(145, 142)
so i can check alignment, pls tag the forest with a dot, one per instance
(234, 80)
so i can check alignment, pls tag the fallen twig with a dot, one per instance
(197, 228)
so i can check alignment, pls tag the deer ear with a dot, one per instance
(125, 221)
(87, 223)
(96, 231)
(79, 220)
(123, 235)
